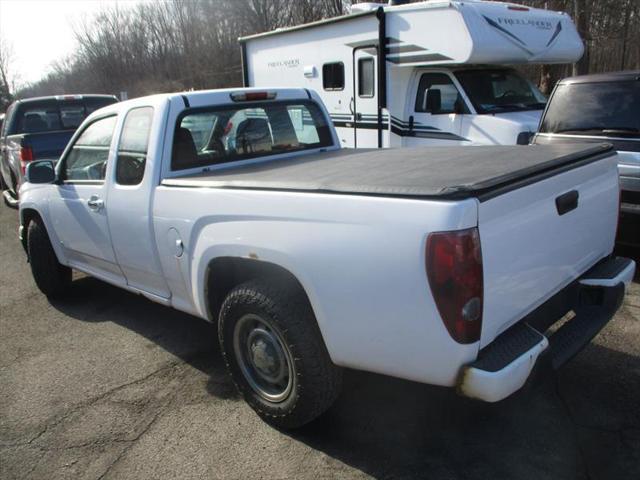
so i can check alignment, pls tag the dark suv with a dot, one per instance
(602, 108)
(39, 129)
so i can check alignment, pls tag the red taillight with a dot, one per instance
(26, 156)
(454, 269)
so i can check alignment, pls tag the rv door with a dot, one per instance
(437, 107)
(365, 97)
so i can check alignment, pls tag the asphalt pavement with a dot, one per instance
(108, 385)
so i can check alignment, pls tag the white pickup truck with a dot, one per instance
(442, 265)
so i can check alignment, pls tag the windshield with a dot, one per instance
(242, 131)
(498, 91)
(605, 108)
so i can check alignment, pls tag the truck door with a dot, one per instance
(365, 98)
(130, 204)
(78, 205)
(435, 112)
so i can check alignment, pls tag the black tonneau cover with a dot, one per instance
(441, 172)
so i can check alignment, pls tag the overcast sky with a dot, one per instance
(40, 31)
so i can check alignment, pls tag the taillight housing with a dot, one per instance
(454, 270)
(26, 156)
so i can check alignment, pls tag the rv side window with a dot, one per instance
(366, 76)
(333, 76)
(438, 95)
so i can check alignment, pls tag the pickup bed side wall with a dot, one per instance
(359, 259)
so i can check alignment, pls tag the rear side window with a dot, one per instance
(239, 132)
(609, 108)
(333, 76)
(87, 159)
(366, 76)
(134, 142)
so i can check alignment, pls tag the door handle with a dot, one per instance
(567, 202)
(95, 203)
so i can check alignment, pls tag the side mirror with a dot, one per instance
(458, 106)
(433, 101)
(41, 171)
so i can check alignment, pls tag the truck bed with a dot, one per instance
(432, 172)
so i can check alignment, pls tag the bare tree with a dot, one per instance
(7, 79)
(177, 45)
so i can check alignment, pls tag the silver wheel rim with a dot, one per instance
(263, 357)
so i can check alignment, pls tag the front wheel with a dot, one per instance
(52, 278)
(274, 351)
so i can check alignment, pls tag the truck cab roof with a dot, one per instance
(202, 98)
(62, 98)
(624, 76)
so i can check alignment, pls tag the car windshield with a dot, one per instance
(603, 108)
(53, 115)
(242, 131)
(498, 91)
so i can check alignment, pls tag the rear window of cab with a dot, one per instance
(609, 108)
(55, 115)
(242, 131)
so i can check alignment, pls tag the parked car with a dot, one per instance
(39, 129)
(602, 108)
(239, 206)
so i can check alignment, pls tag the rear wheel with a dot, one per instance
(274, 351)
(52, 278)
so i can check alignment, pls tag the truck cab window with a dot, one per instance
(228, 134)
(87, 159)
(132, 151)
(438, 95)
(333, 76)
(366, 77)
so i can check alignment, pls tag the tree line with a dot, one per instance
(192, 44)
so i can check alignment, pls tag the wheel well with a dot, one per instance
(225, 273)
(28, 215)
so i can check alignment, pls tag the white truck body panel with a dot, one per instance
(530, 256)
(428, 37)
(359, 258)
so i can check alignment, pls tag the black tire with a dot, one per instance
(52, 278)
(316, 381)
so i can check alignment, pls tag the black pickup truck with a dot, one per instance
(596, 109)
(39, 129)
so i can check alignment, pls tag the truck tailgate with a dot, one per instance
(539, 237)
(46, 145)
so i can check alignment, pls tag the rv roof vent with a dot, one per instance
(364, 7)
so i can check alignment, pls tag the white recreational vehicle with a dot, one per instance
(442, 78)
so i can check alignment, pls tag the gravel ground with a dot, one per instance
(109, 385)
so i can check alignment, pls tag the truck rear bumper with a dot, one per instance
(506, 364)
